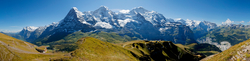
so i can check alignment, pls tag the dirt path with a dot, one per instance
(21, 51)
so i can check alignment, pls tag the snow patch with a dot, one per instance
(30, 28)
(192, 22)
(124, 22)
(228, 21)
(163, 29)
(103, 25)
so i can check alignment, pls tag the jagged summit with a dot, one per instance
(30, 28)
(104, 8)
(73, 15)
(74, 8)
(139, 10)
(103, 11)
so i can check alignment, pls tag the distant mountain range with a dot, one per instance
(138, 23)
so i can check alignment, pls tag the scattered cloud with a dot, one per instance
(124, 11)
(228, 21)
(241, 21)
(120, 10)
(10, 31)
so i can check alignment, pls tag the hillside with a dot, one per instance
(12, 49)
(104, 36)
(67, 43)
(239, 52)
(93, 49)
(159, 51)
(89, 48)
(203, 48)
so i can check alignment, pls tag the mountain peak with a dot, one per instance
(103, 8)
(30, 28)
(103, 11)
(73, 14)
(139, 10)
(74, 8)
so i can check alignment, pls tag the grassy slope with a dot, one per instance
(13, 42)
(67, 42)
(89, 48)
(96, 50)
(159, 51)
(206, 49)
(104, 36)
(229, 53)
(12, 49)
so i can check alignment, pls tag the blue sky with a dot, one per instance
(16, 14)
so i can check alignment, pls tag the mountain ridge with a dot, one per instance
(138, 21)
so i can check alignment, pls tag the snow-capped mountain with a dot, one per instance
(199, 28)
(26, 32)
(30, 28)
(147, 24)
(206, 25)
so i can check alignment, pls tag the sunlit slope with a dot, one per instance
(68, 42)
(239, 52)
(104, 36)
(15, 43)
(96, 50)
(12, 49)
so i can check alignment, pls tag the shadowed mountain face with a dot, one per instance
(226, 36)
(139, 22)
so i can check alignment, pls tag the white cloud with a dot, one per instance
(241, 21)
(228, 21)
(124, 11)
(120, 10)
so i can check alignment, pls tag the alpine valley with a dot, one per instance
(139, 34)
